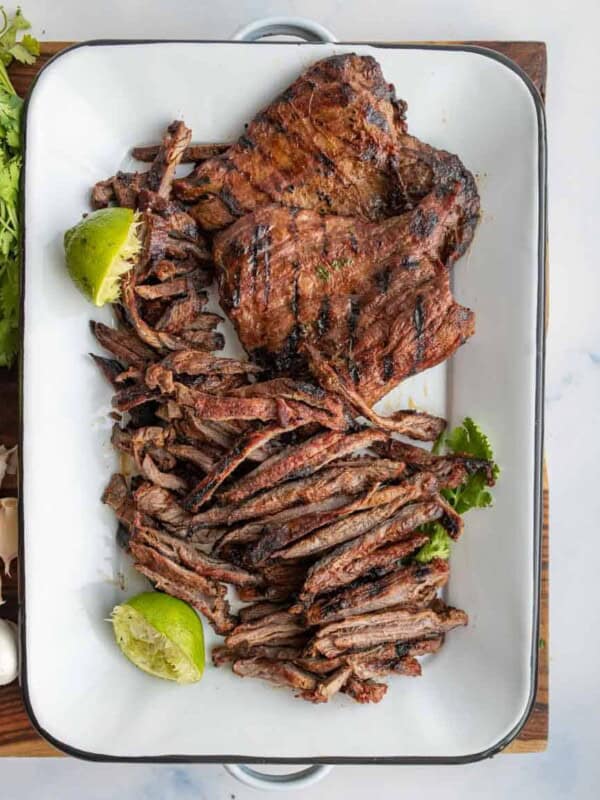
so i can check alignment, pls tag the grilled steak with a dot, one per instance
(335, 141)
(374, 298)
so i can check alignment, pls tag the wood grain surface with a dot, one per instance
(17, 736)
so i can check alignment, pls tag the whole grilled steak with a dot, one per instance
(335, 142)
(373, 298)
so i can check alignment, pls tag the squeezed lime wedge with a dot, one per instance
(161, 635)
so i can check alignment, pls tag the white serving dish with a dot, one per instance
(88, 107)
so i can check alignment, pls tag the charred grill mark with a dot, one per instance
(287, 95)
(230, 202)
(376, 118)
(267, 268)
(419, 325)
(421, 572)
(382, 280)
(323, 318)
(311, 389)
(325, 198)
(325, 243)
(450, 524)
(387, 368)
(236, 292)
(328, 166)
(353, 370)
(410, 262)
(370, 153)
(423, 223)
(295, 293)
(257, 248)
(419, 316)
(352, 318)
(266, 119)
(246, 142)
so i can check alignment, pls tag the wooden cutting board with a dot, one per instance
(17, 736)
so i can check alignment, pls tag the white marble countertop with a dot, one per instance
(571, 767)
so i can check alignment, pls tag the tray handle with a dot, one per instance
(310, 31)
(300, 27)
(301, 779)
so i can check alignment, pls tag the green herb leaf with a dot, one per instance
(26, 50)
(339, 263)
(31, 44)
(322, 272)
(469, 439)
(438, 546)
(22, 54)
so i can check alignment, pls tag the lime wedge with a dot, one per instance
(100, 249)
(161, 635)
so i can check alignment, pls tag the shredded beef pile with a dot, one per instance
(335, 233)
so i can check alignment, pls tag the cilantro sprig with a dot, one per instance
(468, 440)
(25, 50)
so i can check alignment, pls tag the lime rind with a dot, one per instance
(100, 249)
(110, 288)
(149, 649)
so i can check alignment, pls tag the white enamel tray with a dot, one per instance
(88, 107)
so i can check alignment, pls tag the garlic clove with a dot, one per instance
(8, 532)
(8, 461)
(9, 653)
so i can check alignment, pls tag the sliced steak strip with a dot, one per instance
(267, 409)
(269, 629)
(300, 460)
(118, 497)
(275, 537)
(205, 489)
(442, 465)
(368, 630)
(122, 344)
(154, 501)
(385, 502)
(393, 651)
(194, 455)
(195, 362)
(280, 673)
(415, 585)
(407, 665)
(187, 585)
(252, 531)
(156, 291)
(103, 194)
(167, 480)
(109, 367)
(365, 691)
(327, 688)
(325, 577)
(223, 655)
(258, 610)
(189, 556)
(192, 153)
(173, 145)
(327, 483)
(323, 574)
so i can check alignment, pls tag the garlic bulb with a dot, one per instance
(9, 656)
